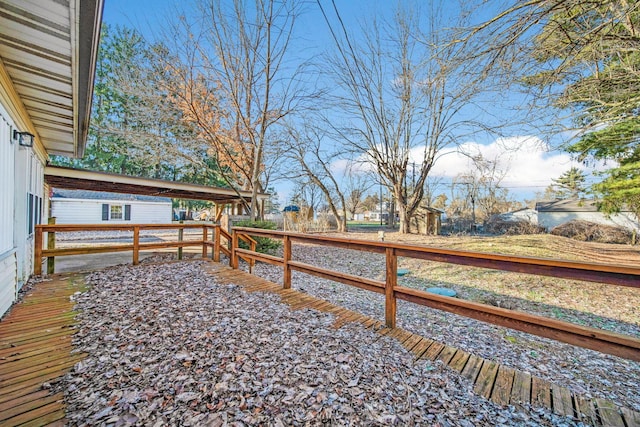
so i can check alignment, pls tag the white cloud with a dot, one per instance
(525, 159)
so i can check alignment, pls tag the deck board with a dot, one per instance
(521, 390)
(609, 414)
(486, 379)
(35, 347)
(504, 382)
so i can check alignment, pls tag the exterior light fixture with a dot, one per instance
(25, 139)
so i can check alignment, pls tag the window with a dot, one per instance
(116, 212)
(34, 212)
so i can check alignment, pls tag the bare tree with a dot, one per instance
(314, 160)
(405, 91)
(357, 186)
(237, 54)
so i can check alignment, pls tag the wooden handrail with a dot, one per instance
(604, 341)
(594, 272)
(135, 246)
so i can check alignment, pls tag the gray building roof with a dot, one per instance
(102, 195)
(569, 205)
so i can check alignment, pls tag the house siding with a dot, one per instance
(21, 208)
(85, 211)
(7, 202)
(8, 280)
(550, 220)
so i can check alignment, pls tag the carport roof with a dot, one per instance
(80, 179)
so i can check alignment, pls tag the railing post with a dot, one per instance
(234, 245)
(286, 280)
(390, 284)
(136, 244)
(51, 244)
(252, 247)
(37, 252)
(180, 236)
(205, 236)
(216, 244)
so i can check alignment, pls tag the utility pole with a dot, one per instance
(473, 214)
(380, 204)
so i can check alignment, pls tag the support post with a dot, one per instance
(219, 212)
(252, 262)
(216, 244)
(234, 245)
(390, 284)
(136, 244)
(286, 281)
(205, 236)
(37, 252)
(51, 244)
(180, 236)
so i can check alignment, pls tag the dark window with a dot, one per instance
(30, 213)
(127, 212)
(105, 212)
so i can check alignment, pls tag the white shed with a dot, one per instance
(557, 212)
(97, 207)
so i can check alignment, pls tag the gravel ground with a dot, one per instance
(586, 372)
(168, 346)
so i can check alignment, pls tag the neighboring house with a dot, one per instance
(557, 212)
(47, 66)
(95, 207)
(524, 214)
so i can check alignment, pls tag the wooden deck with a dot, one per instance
(35, 348)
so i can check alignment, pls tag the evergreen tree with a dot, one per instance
(591, 63)
(570, 184)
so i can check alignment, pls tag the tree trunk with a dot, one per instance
(404, 220)
(401, 205)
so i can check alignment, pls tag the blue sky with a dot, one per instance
(529, 167)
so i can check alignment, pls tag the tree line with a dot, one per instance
(225, 96)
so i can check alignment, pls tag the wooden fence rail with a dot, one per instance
(604, 341)
(596, 339)
(135, 246)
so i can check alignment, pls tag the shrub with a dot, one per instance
(592, 232)
(500, 226)
(265, 244)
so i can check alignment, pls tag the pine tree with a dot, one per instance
(570, 184)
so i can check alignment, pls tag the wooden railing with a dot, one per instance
(135, 246)
(218, 235)
(604, 341)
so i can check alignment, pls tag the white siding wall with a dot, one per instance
(7, 201)
(7, 281)
(550, 220)
(151, 213)
(29, 182)
(83, 211)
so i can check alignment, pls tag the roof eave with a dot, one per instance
(88, 21)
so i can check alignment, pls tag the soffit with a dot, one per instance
(48, 49)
